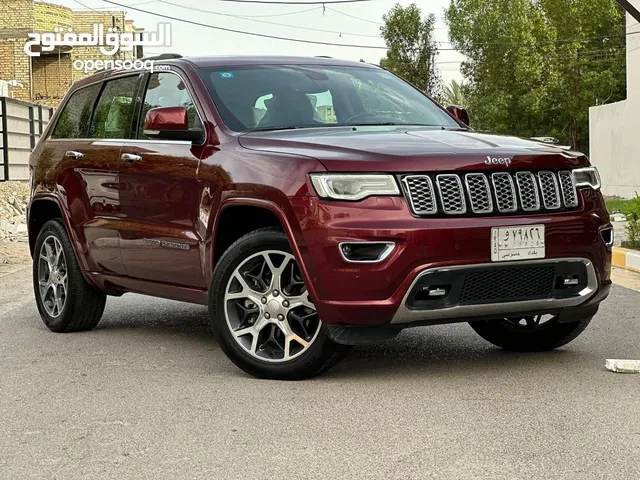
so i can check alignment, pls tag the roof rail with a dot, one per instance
(323, 56)
(163, 56)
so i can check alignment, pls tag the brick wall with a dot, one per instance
(51, 78)
(48, 16)
(53, 72)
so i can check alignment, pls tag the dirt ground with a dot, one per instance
(14, 252)
(14, 247)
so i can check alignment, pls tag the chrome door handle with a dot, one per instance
(130, 157)
(74, 154)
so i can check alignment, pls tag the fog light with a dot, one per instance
(607, 236)
(365, 252)
(435, 292)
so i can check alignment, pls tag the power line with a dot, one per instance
(281, 14)
(133, 5)
(85, 6)
(275, 37)
(368, 21)
(292, 2)
(318, 42)
(264, 21)
(353, 16)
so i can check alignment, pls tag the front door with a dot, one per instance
(158, 195)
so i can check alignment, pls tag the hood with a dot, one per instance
(413, 149)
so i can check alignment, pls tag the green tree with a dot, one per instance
(535, 66)
(412, 49)
(588, 63)
(454, 94)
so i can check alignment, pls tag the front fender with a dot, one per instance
(280, 206)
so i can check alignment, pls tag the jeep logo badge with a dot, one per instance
(498, 161)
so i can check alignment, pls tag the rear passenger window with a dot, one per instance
(114, 112)
(74, 118)
(167, 90)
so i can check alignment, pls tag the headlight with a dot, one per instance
(587, 177)
(353, 186)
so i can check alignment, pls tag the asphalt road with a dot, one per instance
(149, 394)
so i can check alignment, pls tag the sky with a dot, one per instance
(195, 40)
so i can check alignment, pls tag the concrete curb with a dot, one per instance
(625, 258)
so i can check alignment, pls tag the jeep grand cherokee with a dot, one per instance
(312, 204)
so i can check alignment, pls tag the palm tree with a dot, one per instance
(454, 94)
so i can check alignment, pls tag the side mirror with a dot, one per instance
(459, 113)
(170, 123)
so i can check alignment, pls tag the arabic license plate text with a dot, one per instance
(517, 243)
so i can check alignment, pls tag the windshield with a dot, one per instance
(302, 96)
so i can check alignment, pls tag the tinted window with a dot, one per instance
(167, 90)
(279, 96)
(114, 112)
(74, 118)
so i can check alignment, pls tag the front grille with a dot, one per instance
(451, 194)
(508, 284)
(500, 192)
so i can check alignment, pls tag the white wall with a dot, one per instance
(614, 129)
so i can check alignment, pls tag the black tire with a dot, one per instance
(321, 355)
(509, 335)
(84, 304)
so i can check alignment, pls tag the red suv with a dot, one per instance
(312, 204)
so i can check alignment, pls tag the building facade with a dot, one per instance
(613, 128)
(46, 79)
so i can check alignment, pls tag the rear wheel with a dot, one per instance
(66, 302)
(529, 334)
(261, 312)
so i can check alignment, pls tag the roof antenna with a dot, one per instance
(324, 9)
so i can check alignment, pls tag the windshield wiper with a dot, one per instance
(373, 124)
(271, 129)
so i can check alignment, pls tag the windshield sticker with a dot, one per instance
(226, 75)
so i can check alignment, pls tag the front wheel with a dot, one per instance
(261, 312)
(535, 333)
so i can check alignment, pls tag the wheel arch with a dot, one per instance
(267, 213)
(41, 210)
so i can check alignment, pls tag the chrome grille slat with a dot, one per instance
(528, 191)
(479, 193)
(568, 189)
(549, 190)
(505, 192)
(419, 189)
(451, 194)
(490, 193)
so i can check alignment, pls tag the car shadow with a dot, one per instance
(441, 350)
(451, 350)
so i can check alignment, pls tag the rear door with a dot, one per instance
(87, 180)
(159, 194)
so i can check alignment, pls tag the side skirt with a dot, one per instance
(117, 285)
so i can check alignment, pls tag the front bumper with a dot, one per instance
(375, 294)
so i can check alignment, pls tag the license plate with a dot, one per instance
(517, 243)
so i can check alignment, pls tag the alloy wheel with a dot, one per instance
(52, 276)
(267, 307)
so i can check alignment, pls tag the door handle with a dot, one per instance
(73, 154)
(130, 157)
